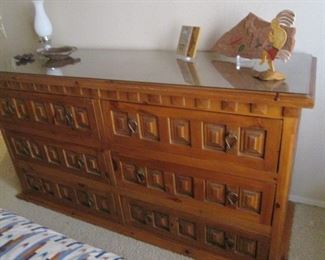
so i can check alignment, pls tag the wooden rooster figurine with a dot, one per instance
(277, 39)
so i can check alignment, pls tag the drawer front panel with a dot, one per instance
(215, 192)
(194, 231)
(83, 161)
(104, 204)
(241, 140)
(70, 115)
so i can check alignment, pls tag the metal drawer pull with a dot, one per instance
(231, 141)
(25, 151)
(68, 118)
(10, 109)
(148, 218)
(90, 203)
(232, 198)
(80, 163)
(141, 175)
(229, 243)
(133, 126)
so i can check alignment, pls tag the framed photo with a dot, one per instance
(188, 41)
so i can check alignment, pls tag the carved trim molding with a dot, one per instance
(233, 103)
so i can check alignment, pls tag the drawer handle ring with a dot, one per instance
(10, 109)
(80, 163)
(232, 198)
(90, 203)
(68, 118)
(133, 125)
(230, 243)
(230, 141)
(148, 218)
(24, 149)
(141, 175)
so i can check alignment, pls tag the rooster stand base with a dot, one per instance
(269, 75)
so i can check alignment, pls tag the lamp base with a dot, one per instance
(45, 42)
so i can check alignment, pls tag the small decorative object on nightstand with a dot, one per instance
(255, 38)
(277, 40)
(188, 41)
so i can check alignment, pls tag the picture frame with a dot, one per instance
(188, 42)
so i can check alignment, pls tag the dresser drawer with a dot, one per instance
(83, 161)
(76, 195)
(224, 240)
(238, 141)
(52, 115)
(213, 193)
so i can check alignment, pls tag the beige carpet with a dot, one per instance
(308, 235)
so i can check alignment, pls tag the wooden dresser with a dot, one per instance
(195, 158)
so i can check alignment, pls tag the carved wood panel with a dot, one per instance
(180, 132)
(129, 172)
(74, 160)
(104, 204)
(149, 127)
(40, 112)
(62, 115)
(248, 141)
(22, 109)
(184, 185)
(216, 192)
(187, 229)
(66, 116)
(7, 108)
(120, 123)
(53, 155)
(233, 196)
(140, 214)
(37, 151)
(250, 200)
(33, 183)
(20, 146)
(215, 237)
(161, 221)
(236, 244)
(92, 165)
(253, 142)
(85, 198)
(214, 136)
(168, 222)
(156, 179)
(66, 193)
(81, 118)
(49, 188)
(80, 160)
(246, 246)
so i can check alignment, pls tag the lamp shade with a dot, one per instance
(42, 24)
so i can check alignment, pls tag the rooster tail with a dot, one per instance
(286, 18)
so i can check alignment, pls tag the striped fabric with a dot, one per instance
(22, 239)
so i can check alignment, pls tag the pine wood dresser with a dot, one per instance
(195, 158)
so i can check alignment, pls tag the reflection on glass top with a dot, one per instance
(207, 70)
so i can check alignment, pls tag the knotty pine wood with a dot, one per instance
(85, 106)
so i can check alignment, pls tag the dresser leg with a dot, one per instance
(287, 231)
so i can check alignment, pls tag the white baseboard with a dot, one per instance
(299, 199)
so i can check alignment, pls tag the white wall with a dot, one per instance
(155, 25)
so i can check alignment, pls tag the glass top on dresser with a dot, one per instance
(207, 70)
